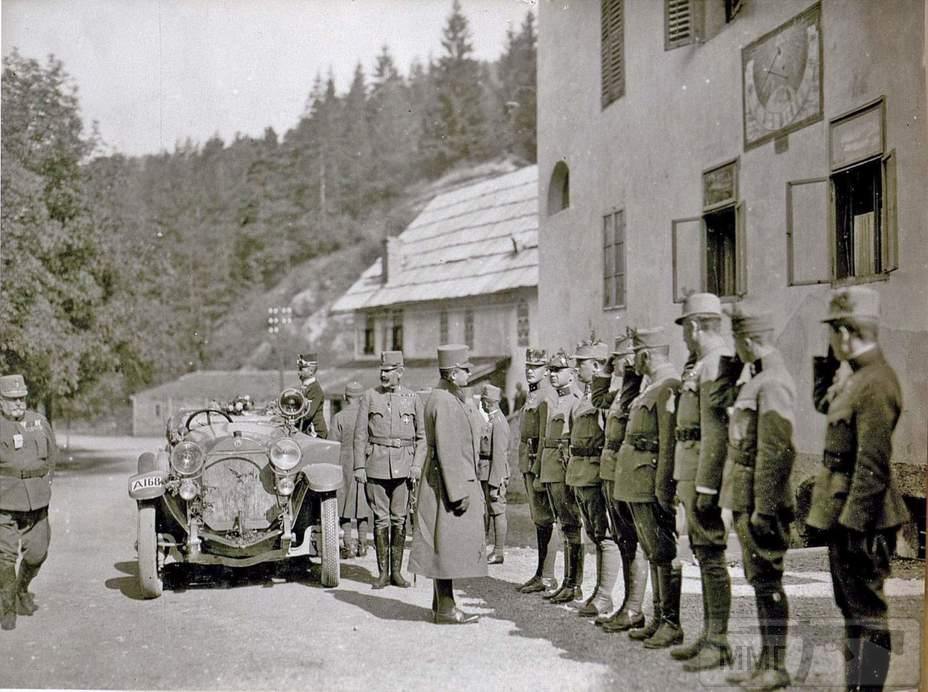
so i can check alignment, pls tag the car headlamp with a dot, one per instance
(285, 454)
(187, 458)
(189, 489)
(292, 403)
(285, 485)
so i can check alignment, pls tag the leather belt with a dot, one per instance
(392, 441)
(837, 462)
(555, 442)
(614, 445)
(28, 473)
(643, 442)
(687, 434)
(585, 451)
(487, 457)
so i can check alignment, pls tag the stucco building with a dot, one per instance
(766, 151)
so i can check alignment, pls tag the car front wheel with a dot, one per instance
(329, 522)
(149, 575)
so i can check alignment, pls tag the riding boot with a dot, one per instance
(669, 632)
(875, 651)
(691, 650)
(362, 538)
(545, 569)
(607, 574)
(648, 631)
(382, 546)
(566, 582)
(499, 540)
(397, 545)
(25, 601)
(715, 651)
(8, 596)
(587, 609)
(447, 612)
(548, 580)
(571, 591)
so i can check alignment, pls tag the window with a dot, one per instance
(709, 251)
(680, 23)
(843, 228)
(612, 50)
(443, 327)
(614, 260)
(732, 8)
(522, 322)
(559, 188)
(469, 328)
(368, 334)
(397, 330)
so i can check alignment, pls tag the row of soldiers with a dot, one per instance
(719, 435)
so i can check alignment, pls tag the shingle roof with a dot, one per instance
(478, 239)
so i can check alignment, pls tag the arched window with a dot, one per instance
(559, 189)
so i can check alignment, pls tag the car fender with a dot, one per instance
(324, 478)
(148, 483)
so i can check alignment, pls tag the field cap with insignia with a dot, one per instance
(700, 305)
(559, 360)
(491, 393)
(310, 358)
(596, 350)
(854, 302)
(536, 356)
(454, 356)
(13, 387)
(745, 322)
(623, 345)
(354, 389)
(390, 360)
(646, 339)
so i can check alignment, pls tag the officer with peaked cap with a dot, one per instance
(644, 479)
(855, 499)
(756, 480)
(493, 467)
(536, 364)
(701, 446)
(313, 423)
(615, 403)
(551, 472)
(28, 454)
(352, 502)
(449, 537)
(389, 450)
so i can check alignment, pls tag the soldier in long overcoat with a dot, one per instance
(352, 502)
(28, 454)
(855, 499)
(449, 540)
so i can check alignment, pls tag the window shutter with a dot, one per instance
(741, 252)
(679, 23)
(612, 50)
(689, 253)
(808, 240)
(889, 222)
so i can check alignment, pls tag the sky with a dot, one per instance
(155, 72)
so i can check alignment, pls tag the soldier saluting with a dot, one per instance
(855, 499)
(28, 454)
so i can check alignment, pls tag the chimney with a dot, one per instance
(392, 261)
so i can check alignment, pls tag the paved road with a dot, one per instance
(258, 630)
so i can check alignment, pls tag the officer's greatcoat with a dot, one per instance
(28, 454)
(352, 502)
(446, 545)
(389, 437)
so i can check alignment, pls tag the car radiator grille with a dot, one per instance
(239, 494)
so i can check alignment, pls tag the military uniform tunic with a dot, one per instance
(314, 420)
(529, 448)
(493, 468)
(552, 462)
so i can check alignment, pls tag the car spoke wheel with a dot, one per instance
(329, 521)
(149, 563)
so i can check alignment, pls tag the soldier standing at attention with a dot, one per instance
(551, 471)
(702, 443)
(616, 403)
(28, 454)
(536, 363)
(644, 479)
(313, 423)
(756, 486)
(449, 539)
(587, 441)
(352, 503)
(389, 449)
(855, 499)
(493, 468)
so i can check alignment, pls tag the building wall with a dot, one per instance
(681, 114)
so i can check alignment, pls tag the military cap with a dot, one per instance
(559, 360)
(491, 393)
(453, 356)
(855, 302)
(390, 360)
(536, 356)
(745, 322)
(645, 339)
(354, 389)
(311, 358)
(13, 387)
(623, 345)
(590, 349)
(700, 305)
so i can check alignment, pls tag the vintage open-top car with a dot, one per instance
(237, 490)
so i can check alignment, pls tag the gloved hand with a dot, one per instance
(360, 475)
(460, 506)
(763, 524)
(706, 502)
(414, 473)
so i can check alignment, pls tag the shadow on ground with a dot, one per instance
(384, 608)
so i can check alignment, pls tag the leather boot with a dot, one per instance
(362, 538)
(382, 546)
(447, 612)
(875, 651)
(499, 540)
(715, 652)
(25, 601)
(588, 609)
(669, 632)
(544, 569)
(648, 631)
(608, 564)
(397, 546)
(7, 596)
(571, 590)
(684, 653)
(851, 655)
(568, 571)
